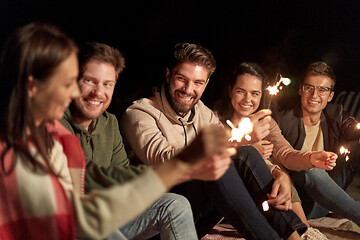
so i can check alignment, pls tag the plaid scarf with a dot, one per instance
(34, 206)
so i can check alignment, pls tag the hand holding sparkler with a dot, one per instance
(252, 129)
(261, 124)
(323, 160)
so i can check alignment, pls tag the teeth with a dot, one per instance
(185, 97)
(245, 106)
(313, 102)
(94, 102)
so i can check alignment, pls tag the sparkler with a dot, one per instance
(345, 151)
(273, 90)
(244, 128)
(265, 206)
(358, 125)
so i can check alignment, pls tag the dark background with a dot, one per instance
(282, 36)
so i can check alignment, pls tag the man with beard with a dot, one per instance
(106, 160)
(159, 127)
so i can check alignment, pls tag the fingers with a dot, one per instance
(323, 160)
(260, 115)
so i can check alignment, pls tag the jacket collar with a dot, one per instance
(100, 122)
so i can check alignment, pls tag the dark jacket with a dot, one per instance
(337, 126)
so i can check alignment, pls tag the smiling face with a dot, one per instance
(96, 87)
(186, 84)
(51, 98)
(245, 95)
(311, 102)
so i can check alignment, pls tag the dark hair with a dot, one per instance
(192, 53)
(33, 50)
(102, 53)
(320, 69)
(224, 108)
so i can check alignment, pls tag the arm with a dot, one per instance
(280, 196)
(142, 133)
(296, 160)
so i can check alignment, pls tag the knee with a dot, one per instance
(177, 204)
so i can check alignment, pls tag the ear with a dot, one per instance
(330, 96)
(31, 86)
(300, 91)
(167, 75)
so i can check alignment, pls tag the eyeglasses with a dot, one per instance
(322, 91)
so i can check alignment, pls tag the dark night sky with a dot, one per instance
(282, 35)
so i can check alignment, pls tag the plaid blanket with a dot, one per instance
(34, 206)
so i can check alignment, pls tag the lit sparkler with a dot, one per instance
(243, 130)
(345, 151)
(273, 90)
(358, 125)
(265, 206)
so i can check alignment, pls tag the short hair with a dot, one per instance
(320, 69)
(192, 53)
(102, 53)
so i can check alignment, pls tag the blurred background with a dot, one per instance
(283, 36)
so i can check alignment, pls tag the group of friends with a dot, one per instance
(65, 173)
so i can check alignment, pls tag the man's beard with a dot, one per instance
(77, 110)
(180, 108)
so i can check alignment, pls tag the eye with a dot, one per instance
(240, 92)
(255, 94)
(199, 83)
(108, 85)
(323, 89)
(88, 81)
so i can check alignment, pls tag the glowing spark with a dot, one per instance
(358, 126)
(244, 128)
(345, 151)
(265, 206)
(273, 90)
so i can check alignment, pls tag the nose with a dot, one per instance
(188, 87)
(97, 89)
(247, 97)
(315, 92)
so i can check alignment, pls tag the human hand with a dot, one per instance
(280, 196)
(210, 141)
(264, 147)
(261, 124)
(213, 167)
(323, 160)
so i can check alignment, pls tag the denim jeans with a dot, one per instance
(238, 196)
(170, 216)
(323, 191)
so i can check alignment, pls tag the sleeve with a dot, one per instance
(119, 156)
(285, 154)
(145, 137)
(98, 177)
(104, 211)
